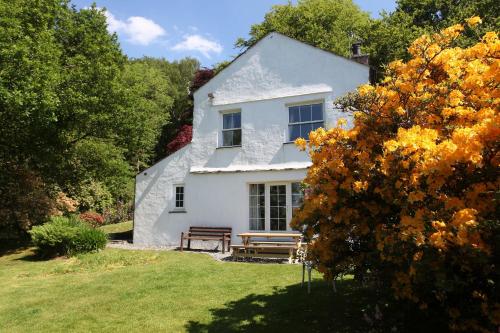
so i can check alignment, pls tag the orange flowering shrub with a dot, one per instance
(408, 193)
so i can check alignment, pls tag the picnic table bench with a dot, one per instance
(222, 234)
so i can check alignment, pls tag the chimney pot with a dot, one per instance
(356, 49)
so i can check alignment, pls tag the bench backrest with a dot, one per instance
(207, 231)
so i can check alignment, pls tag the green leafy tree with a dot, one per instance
(328, 24)
(390, 37)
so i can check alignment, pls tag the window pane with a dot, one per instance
(296, 200)
(274, 212)
(261, 189)
(254, 201)
(294, 131)
(274, 189)
(282, 189)
(274, 224)
(262, 212)
(237, 137)
(227, 138)
(282, 200)
(296, 188)
(305, 113)
(254, 224)
(282, 225)
(273, 200)
(304, 130)
(253, 189)
(237, 120)
(282, 213)
(317, 112)
(262, 224)
(227, 121)
(294, 114)
(317, 125)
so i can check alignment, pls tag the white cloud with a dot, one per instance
(200, 44)
(137, 29)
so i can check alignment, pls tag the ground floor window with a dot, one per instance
(179, 196)
(271, 205)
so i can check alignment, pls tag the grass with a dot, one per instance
(121, 230)
(148, 291)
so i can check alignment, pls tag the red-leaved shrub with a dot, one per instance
(182, 138)
(92, 218)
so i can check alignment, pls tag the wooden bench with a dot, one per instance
(222, 234)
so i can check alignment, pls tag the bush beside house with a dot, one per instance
(66, 236)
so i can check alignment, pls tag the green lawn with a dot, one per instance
(117, 227)
(121, 230)
(148, 291)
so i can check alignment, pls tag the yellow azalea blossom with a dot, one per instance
(301, 143)
(473, 21)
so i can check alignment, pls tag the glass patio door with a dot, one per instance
(277, 207)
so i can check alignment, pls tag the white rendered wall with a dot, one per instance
(217, 200)
(261, 83)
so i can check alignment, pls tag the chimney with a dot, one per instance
(357, 55)
(356, 49)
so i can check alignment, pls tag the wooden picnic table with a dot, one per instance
(251, 247)
(246, 237)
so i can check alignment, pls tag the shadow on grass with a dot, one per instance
(292, 310)
(124, 235)
(8, 246)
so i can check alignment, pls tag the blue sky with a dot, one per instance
(202, 29)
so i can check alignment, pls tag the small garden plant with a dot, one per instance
(66, 236)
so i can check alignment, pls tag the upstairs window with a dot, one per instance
(179, 197)
(303, 119)
(231, 129)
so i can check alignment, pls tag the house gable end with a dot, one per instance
(279, 66)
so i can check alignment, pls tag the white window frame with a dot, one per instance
(222, 129)
(304, 103)
(176, 186)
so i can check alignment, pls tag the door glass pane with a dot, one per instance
(297, 196)
(257, 207)
(278, 207)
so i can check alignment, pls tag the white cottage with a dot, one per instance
(241, 169)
